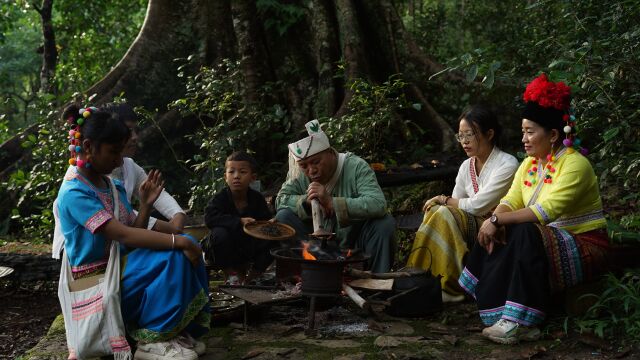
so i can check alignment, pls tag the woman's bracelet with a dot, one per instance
(173, 241)
(446, 199)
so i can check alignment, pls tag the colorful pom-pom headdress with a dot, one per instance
(75, 136)
(548, 104)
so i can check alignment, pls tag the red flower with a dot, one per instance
(547, 93)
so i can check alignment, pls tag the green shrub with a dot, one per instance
(215, 96)
(37, 187)
(617, 310)
(377, 114)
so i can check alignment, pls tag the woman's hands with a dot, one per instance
(151, 188)
(488, 236)
(436, 200)
(191, 250)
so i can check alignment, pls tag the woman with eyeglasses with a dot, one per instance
(450, 225)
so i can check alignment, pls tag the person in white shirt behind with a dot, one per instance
(131, 175)
(451, 223)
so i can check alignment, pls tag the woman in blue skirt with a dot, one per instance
(164, 286)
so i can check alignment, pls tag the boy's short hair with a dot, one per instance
(243, 156)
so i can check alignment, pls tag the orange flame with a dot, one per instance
(348, 253)
(306, 254)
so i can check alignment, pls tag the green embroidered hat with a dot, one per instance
(316, 142)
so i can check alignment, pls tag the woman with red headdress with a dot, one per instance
(548, 233)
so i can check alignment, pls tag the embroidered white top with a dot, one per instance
(131, 175)
(479, 193)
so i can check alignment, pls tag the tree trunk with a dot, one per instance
(366, 37)
(50, 52)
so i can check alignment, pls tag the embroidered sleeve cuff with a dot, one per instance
(507, 203)
(341, 211)
(98, 219)
(542, 215)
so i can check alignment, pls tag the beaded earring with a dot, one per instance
(75, 137)
(535, 170)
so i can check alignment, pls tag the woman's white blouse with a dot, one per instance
(479, 193)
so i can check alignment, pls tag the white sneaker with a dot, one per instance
(189, 342)
(508, 332)
(169, 350)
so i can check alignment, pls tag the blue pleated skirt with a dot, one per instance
(163, 294)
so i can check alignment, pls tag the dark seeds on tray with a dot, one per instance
(271, 230)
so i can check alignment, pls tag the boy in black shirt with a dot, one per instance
(227, 212)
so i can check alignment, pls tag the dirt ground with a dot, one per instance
(342, 331)
(26, 313)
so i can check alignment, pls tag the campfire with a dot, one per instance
(319, 268)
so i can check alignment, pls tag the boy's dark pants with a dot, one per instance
(232, 249)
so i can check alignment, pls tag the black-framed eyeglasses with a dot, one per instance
(460, 137)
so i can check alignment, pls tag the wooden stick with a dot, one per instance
(353, 295)
(317, 214)
(359, 274)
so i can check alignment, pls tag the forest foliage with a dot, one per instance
(592, 45)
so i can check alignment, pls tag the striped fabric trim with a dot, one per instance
(564, 256)
(580, 219)
(83, 309)
(545, 216)
(472, 230)
(468, 282)
(119, 344)
(521, 314)
(512, 311)
(197, 309)
(536, 192)
(472, 173)
(86, 268)
(98, 219)
(491, 316)
(506, 202)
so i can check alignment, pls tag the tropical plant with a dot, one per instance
(616, 311)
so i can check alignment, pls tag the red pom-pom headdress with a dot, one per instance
(548, 94)
(549, 104)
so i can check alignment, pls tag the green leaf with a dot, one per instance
(472, 73)
(417, 106)
(559, 63)
(488, 80)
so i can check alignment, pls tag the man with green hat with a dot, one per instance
(347, 194)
